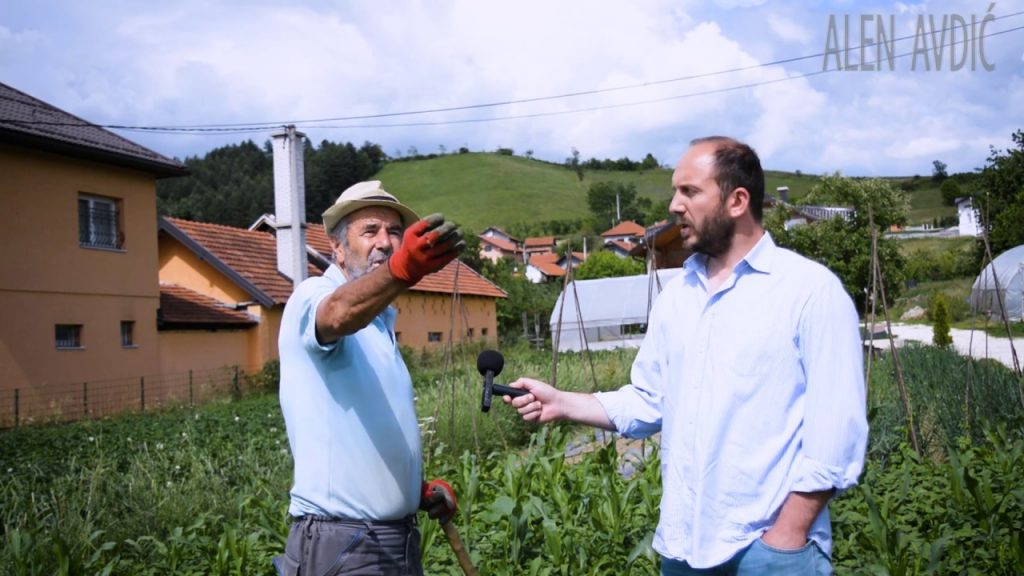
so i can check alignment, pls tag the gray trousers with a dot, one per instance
(320, 546)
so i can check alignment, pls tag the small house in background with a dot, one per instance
(544, 268)
(495, 248)
(625, 231)
(621, 248)
(495, 232)
(969, 220)
(539, 245)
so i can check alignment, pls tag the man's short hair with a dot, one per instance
(737, 166)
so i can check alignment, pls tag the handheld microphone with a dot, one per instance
(490, 363)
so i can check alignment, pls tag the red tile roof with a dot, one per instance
(181, 306)
(547, 264)
(469, 282)
(249, 253)
(540, 241)
(625, 228)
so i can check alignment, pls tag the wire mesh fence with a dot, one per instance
(71, 401)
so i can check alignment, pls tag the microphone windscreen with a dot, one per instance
(490, 360)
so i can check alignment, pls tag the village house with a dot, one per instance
(79, 292)
(108, 307)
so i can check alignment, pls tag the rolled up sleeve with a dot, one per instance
(835, 428)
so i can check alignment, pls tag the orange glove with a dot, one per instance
(438, 499)
(426, 247)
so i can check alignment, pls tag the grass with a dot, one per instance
(205, 490)
(484, 189)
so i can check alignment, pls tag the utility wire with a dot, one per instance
(244, 128)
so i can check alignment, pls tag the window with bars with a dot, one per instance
(433, 336)
(68, 336)
(127, 334)
(99, 224)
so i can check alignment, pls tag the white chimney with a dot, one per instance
(290, 203)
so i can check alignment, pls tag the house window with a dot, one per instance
(99, 224)
(483, 331)
(487, 248)
(469, 332)
(68, 336)
(433, 336)
(127, 334)
(398, 336)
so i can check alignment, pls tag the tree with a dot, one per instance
(649, 162)
(603, 196)
(939, 173)
(844, 245)
(574, 163)
(1000, 196)
(950, 192)
(940, 318)
(605, 264)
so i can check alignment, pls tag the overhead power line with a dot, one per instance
(256, 127)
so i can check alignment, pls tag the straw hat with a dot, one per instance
(365, 195)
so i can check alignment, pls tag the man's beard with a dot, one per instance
(715, 236)
(357, 269)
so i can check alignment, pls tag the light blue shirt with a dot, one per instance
(348, 407)
(758, 389)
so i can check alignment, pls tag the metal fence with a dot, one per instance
(71, 401)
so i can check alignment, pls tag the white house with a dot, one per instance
(969, 217)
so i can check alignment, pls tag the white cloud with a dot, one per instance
(194, 62)
(788, 30)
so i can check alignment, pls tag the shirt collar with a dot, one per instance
(759, 259)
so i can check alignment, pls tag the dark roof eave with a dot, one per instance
(158, 168)
(226, 325)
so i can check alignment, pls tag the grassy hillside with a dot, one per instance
(484, 189)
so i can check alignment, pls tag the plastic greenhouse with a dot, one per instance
(1008, 268)
(613, 310)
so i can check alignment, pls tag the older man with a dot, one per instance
(347, 396)
(752, 370)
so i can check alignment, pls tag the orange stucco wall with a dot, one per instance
(48, 279)
(203, 350)
(179, 265)
(420, 313)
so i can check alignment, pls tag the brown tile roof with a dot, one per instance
(31, 122)
(625, 228)
(500, 244)
(540, 241)
(317, 239)
(250, 254)
(469, 282)
(180, 307)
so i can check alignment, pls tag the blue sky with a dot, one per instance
(200, 63)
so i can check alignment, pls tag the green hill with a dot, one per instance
(484, 189)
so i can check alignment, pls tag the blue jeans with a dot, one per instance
(757, 559)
